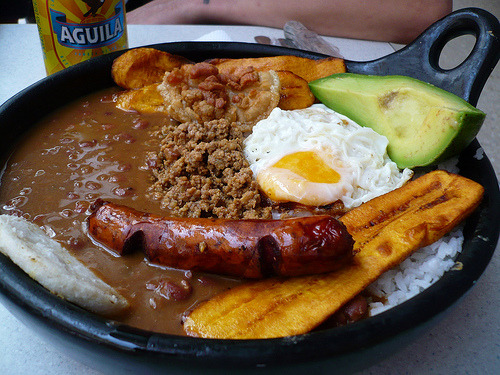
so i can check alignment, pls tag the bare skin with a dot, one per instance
(384, 20)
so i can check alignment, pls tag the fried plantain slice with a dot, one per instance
(147, 99)
(438, 200)
(294, 91)
(386, 230)
(143, 66)
(308, 69)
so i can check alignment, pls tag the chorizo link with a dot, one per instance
(243, 248)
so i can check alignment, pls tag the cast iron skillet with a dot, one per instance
(110, 346)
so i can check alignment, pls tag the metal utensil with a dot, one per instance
(303, 38)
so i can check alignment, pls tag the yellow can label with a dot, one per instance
(72, 31)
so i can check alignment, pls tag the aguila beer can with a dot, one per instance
(72, 31)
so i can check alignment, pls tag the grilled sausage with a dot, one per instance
(243, 248)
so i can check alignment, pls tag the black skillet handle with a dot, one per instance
(420, 59)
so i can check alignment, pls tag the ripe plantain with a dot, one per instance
(308, 69)
(140, 67)
(147, 99)
(294, 91)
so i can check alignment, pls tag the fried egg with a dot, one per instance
(315, 156)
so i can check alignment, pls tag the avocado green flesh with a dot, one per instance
(424, 124)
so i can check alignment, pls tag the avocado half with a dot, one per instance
(423, 123)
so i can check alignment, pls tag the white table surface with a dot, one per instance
(466, 341)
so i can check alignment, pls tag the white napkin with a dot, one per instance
(215, 36)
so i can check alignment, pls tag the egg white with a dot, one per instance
(358, 154)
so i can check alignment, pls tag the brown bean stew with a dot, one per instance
(89, 150)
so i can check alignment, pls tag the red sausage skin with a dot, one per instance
(243, 248)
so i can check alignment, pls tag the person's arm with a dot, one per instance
(387, 20)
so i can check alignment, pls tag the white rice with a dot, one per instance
(419, 271)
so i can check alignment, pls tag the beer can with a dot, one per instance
(72, 31)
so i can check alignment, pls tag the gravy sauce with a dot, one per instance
(88, 150)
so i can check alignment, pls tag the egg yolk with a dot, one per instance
(303, 177)
(310, 166)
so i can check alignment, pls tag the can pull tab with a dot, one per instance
(420, 59)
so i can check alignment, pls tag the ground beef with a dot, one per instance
(201, 171)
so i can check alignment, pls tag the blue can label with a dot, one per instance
(92, 35)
